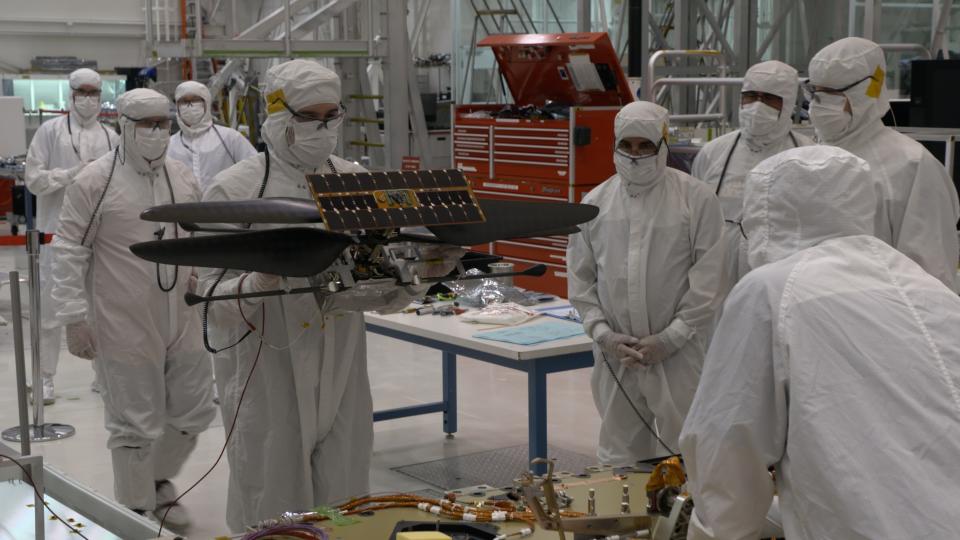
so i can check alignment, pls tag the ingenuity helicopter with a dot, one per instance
(375, 227)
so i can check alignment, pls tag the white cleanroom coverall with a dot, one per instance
(837, 361)
(649, 265)
(919, 208)
(150, 359)
(304, 435)
(724, 162)
(59, 149)
(204, 147)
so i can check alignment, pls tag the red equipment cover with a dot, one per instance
(571, 69)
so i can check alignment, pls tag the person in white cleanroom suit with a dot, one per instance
(204, 147)
(767, 101)
(150, 360)
(919, 208)
(645, 276)
(304, 432)
(59, 149)
(837, 361)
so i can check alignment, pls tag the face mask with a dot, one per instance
(758, 119)
(152, 145)
(310, 145)
(86, 106)
(637, 173)
(829, 118)
(192, 113)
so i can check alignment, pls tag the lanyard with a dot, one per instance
(222, 143)
(77, 150)
(726, 162)
(159, 234)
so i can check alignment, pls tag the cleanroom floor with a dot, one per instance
(492, 414)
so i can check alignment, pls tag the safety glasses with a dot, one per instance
(189, 100)
(813, 92)
(638, 150)
(151, 123)
(772, 101)
(85, 93)
(330, 120)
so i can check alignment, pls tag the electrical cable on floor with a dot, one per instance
(233, 426)
(633, 405)
(37, 492)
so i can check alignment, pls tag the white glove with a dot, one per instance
(81, 341)
(652, 350)
(619, 346)
(71, 174)
(437, 260)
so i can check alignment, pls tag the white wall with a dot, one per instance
(109, 31)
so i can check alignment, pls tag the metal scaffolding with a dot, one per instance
(346, 34)
(359, 37)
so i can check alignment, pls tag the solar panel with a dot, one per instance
(387, 200)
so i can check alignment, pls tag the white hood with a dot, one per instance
(803, 196)
(845, 62)
(193, 88)
(299, 84)
(781, 80)
(136, 105)
(649, 121)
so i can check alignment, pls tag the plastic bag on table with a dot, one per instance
(507, 314)
(483, 292)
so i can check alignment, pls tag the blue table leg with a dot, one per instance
(449, 393)
(537, 413)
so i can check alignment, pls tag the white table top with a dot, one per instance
(452, 330)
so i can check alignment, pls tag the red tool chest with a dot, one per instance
(541, 157)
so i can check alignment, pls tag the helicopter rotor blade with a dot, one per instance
(282, 210)
(293, 252)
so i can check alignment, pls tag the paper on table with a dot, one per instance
(531, 334)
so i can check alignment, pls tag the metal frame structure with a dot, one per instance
(355, 32)
(347, 33)
(49, 481)
(710, 21)
(732, 28)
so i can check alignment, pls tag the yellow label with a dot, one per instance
(396, 198)
(664, 130)
(876, 85)
(275, 101)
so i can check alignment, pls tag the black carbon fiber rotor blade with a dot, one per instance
(294, 252)
(269, 210)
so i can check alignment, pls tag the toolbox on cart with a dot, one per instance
(554, 143)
